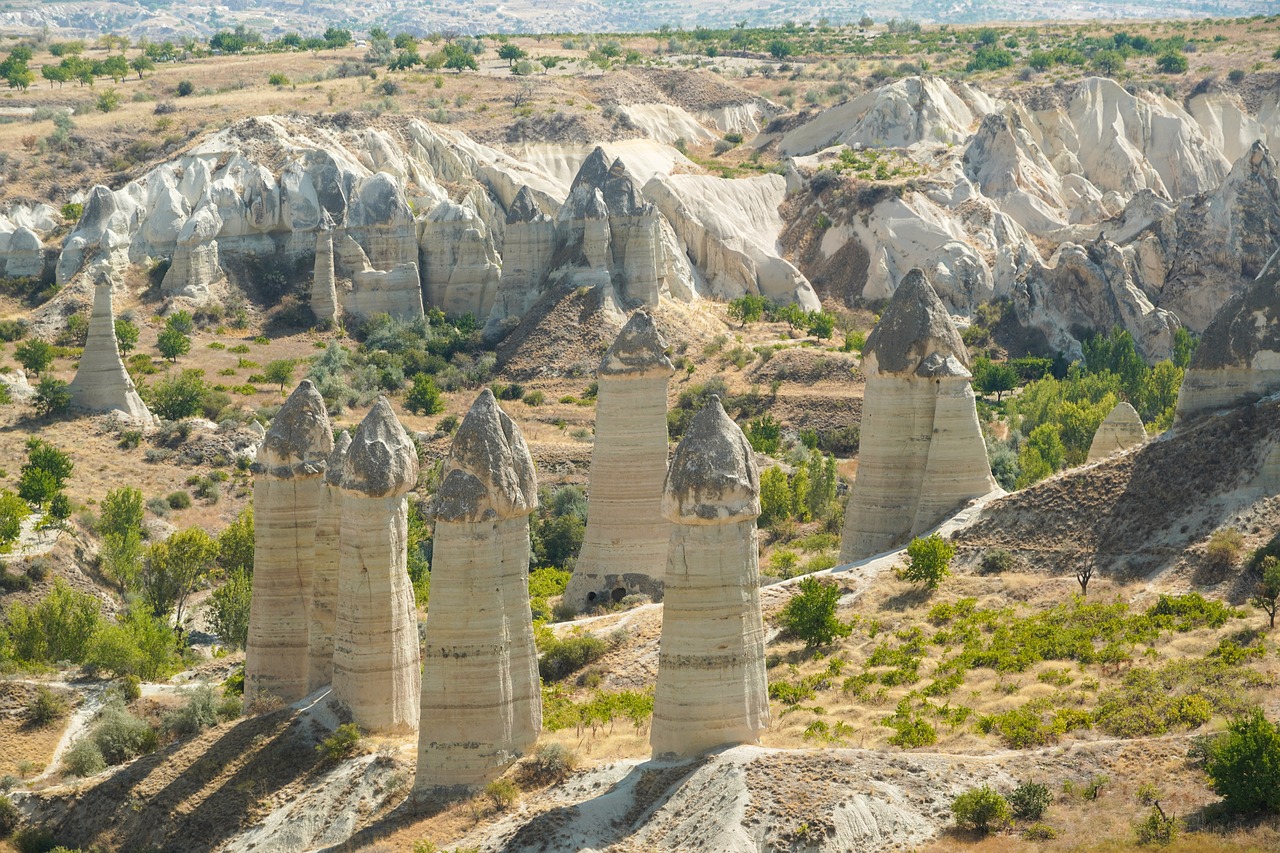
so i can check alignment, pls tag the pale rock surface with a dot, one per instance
(712, 689)
(101, 383)
(922, 455)
(461, 267)
(324, 290)
(397, 291)
(24, 256)
(376, 671)
(624, 549)
(195, 265)
(1121, 430)
(287, 486)
(1238, 359)
(481, 700)
(528, 242)
(328, 560)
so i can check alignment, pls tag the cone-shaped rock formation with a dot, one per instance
(624, 549)
(324, 289)
(712, 688)
(1238, 358)
(288, 482)
(481, 702)
(102, 384)
(1121, 430)
(922, 454)
(375, 638)
(324, 585)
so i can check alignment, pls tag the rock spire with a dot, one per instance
(324, 288)
(328, 558)
(1119, 431)
(481, 700)
(102, 384)
(712, 689)
(922, 454)
(288, 483)
(375, 639)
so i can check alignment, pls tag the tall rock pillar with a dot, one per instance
(324, 587)
(102, 384)
(288, 482)
(481, 700)
(375, 642)
(324, 288)
(712, 689)
(624, 549)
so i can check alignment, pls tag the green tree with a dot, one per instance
(141, 64)
(1267, 595)
(748, 309)
(172, 344)
(173, 569)
(280, 372)
(122, 511)
(780, 48)
(821, 324)
(52, 397)
(59, 74)
(928, 561)
(229, 609)
(175, 398)
(1171, 63)
(775, 496)
(13, 510)
(1244, 766)
(458, 58)
(764, 434)
(235, 544)
(811, 615)
(336, 37)
(406, 41)
(120, 558)
(181, 321)
(45, 473)
(992, 378)
(511, 53)
(1184, 347)
(126, 336)
(981, 810)
(424, 397)
(34, 355)
(57, 628)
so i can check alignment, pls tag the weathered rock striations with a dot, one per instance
(922, 454)
(461, 267)
(375, 640)
(102, 384)
(1238, 359)
(481, 700)
(1121, 430)
(324, 288)
(328, 560)
(528, 241)
(288, 482)
(397, 291)
(712, 689)
(624, 549)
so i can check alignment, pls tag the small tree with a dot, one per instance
(981, 810)
(1244, 766)
(775, 496)
(185, 88)
(1267, 595)
(1172, 63)
(229, 609)
(34, 355)
(126, 336)
(280, 372)
(122, 511)
(929, 561)
(1084, 574)
(173, 343)
(992, 378)
(424, 397)
(52, 397)
(174, 567)
(811, 615)
(179, 397)
(511, 53)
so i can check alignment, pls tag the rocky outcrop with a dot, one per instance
(481, 699)
(376, 672)
(101, 383)
(922, 455)
(328, 560)
(624, 549)
(1238, 359)
(287, 486)
(1121, 430)
(712, 689)
(324, 289)
(396, 291)
(528, 242)
(24, 255)
(461, 267)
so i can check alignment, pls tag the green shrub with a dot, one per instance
(981, 810)
(562, 657)
(199, 713)
(1039, 832)
(84, 758)
(504, 793)
(229, 609)
(811, 615)
(121, 736)
(997, 561)
(1030, 800)
(1244, 765)
(46, 708)
(550, 763)
(928, 561)
(10, 817)
(178, 500)
(1156, 828)
(341, 744)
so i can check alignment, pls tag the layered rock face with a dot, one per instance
(481, 698)
(396, 291)
(461, 267)
(528, 242)
(922, 454)
(1238, 358)
(624, 549)
(328, 559)
(375, 642)
(287, 487)
(324, 287)
(712, 689)
(1121, 430)
(102, 384)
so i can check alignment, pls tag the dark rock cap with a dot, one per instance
(525, 208)
(621, 193)
(381, 460)
(1249, 323)
(713, 477)
(914, 326)
(593, 172)
(489, 473)
(639, 350)
(300, 439)
(337, 459)
(936, 366)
